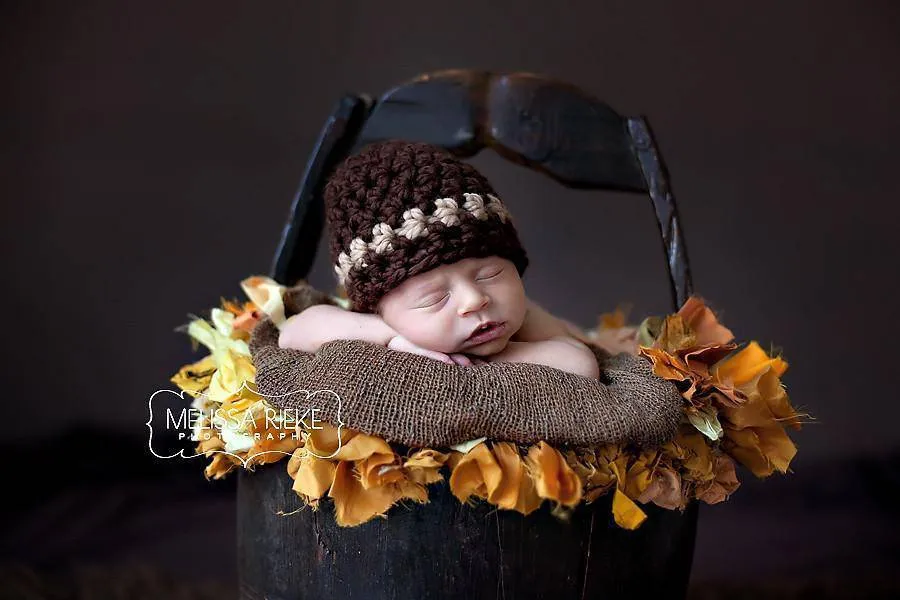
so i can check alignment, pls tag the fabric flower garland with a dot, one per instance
(736, 410)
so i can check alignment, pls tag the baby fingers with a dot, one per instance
(461, 359)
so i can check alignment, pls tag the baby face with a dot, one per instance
(441, 309)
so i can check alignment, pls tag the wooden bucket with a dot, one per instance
(445, 549)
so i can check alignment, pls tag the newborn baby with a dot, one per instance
(466, 313)
(432, 264)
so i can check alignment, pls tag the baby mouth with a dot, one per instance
(487, 332)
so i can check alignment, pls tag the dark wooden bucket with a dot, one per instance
(445, 549)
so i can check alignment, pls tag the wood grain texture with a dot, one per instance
(666, 210)
(445, 549)
(300, 236)
(537, 122)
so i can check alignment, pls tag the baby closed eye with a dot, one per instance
(436, 299)
(433, 301)
(490, 276)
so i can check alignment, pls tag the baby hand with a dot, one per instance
(402, 344)
(467, 361)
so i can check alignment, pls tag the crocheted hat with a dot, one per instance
(397, 209)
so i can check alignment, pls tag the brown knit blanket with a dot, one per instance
(422, 402)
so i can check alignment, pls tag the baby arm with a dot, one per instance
(322, 323)
(561, 352)
(317, 325)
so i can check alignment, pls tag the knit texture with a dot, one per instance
(422, 402)
(397, 209)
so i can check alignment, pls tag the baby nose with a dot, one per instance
(474, 300)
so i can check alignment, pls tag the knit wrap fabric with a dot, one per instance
(421, 402)
(397, 209)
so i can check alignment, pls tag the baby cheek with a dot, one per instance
(440, 337)
(445, 336)
(425, 333)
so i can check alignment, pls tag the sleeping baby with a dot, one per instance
(466, 313)
(431, 265)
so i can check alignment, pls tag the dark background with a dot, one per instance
(150, 152)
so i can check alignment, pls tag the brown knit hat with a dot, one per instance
(397, 209)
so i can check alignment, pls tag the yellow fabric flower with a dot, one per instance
(607, 467)
(361, 473)
(675, 335)
(613, 320)
(379, 468)
(423, 466)
(355, 504)
(696, 455)
(763, 450)
(209, 441)
(625, 512)
(592, 466)
(326, 440)
(722, 485)
(220, 466)
(232, 358)
(272, 441)
(360, 446)
(312, 476)
(267, 294)
(195, 377)
(733, 397)
(640, 473)
(233, 371)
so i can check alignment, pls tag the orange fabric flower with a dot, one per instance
(354, 504)
(553, 478)
(274, 442)
(704, 324)
(734, 398)
(754, 431)
(424, 466)
(608, 467)
(476, 473)
(312, 476)
(220, 466)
